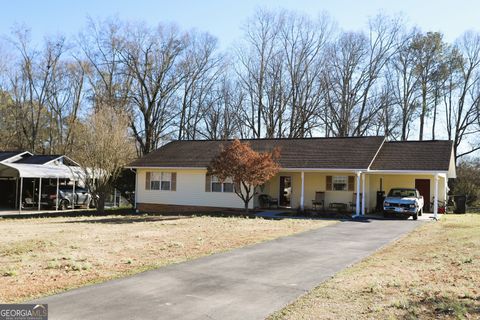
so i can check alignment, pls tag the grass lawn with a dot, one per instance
(432, 273)
(42, 256)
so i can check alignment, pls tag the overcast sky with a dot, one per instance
(225, 18)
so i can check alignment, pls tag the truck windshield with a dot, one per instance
(401, 193)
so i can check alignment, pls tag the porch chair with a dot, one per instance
(267, 201)
(319, 200)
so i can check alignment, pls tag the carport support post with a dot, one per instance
(435, 199)
(20, 200)
(16, 191)
(302, 195)
(56, 199)
(39, 193)
(357, 202)
(74, 195)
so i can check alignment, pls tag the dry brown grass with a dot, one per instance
(433, 273)
(46, 255)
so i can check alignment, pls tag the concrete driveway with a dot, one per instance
(247, 283)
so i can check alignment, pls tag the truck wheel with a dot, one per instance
(415, 216)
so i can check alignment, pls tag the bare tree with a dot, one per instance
(290, 76)
(388, 118)
(202, 68)
(383, 42)
(427, 50)
(462, 95)
(153, 58)
(65, 97)
(405, 87)
(342, 82)
(30, 84)
(105, 148)
(254, 54)
(221, 118)
(303, 42)
(353, 78)
(100, 44)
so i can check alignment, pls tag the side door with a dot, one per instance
(423, 186)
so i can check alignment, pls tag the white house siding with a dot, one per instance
(190, 191)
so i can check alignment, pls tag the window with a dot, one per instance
(219, 186)
(160, 181)
(216, 185)
(227, 187)
(340, 183)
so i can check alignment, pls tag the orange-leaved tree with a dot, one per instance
(246, 167)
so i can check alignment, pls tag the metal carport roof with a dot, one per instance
(24, 170)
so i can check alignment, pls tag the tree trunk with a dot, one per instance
(423, 113)
(101, 202)
(246, 208)
(434, 119)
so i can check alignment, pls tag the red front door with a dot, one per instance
(423, 186)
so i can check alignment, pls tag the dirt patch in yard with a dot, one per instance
(43, 256)
(433, 273)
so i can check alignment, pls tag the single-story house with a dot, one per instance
(353, 170)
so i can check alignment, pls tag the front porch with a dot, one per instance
(357, 192)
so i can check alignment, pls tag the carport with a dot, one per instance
(55, 174)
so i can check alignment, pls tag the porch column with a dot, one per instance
(435, 198)
(302, 205)
(357, 202)
(363, 194)
(39, 194)
(114, 197)
(20, 200)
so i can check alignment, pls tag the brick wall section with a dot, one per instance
(170, 208)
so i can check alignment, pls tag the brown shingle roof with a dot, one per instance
(324, 153)
(414, 155)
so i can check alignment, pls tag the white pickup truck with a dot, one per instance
(403, 202)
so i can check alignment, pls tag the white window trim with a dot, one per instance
(161, 180)
(346, 183)
(222, 184)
